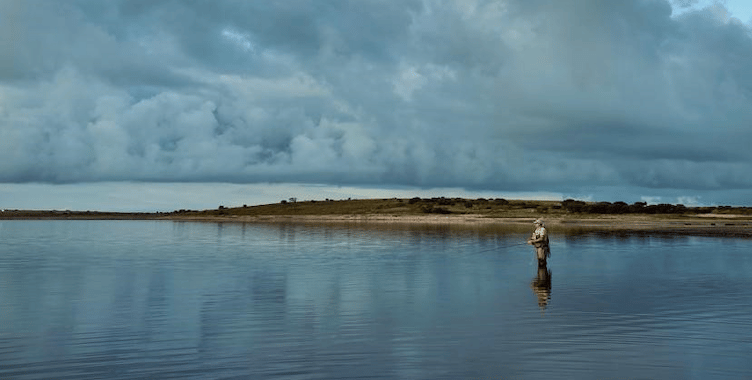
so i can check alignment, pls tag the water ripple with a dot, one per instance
(124, 300)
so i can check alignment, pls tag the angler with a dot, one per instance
(539, 240)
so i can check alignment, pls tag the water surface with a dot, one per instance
(160, 299)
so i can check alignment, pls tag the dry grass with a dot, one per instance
(400, 207)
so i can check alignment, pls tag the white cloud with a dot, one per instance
(407, 82)
(411, 78)
(241, 39)
(689, 201)
(649, 199)
(298, 85)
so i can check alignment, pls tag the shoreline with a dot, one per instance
(729, 225)
(700, 226)
(692, 226)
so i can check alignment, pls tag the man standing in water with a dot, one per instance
(539, 240)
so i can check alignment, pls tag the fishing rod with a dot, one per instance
(501, 247)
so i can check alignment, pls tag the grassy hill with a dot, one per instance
(492, 208)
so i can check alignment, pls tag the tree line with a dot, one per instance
(575, 206)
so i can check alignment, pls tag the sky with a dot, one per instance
(160, 105)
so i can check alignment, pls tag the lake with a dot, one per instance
(179, 300)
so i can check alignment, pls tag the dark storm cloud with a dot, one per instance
(506, 95)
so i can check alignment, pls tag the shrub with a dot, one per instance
(637, 207)
(572, 205)
(619, 208)
(429, 209)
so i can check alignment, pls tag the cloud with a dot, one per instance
(498, 95)
(685, 3)
(689, 201)
(651, 199)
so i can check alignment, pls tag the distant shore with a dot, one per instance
(727, 225)
(457, 213)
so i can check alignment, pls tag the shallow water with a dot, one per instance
(146, 299)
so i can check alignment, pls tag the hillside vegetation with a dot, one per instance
(491, 208)
(498, 207)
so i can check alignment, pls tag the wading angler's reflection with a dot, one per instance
(541, 286)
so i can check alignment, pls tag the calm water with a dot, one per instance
(161, 300)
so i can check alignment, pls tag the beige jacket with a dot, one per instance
(539, 239)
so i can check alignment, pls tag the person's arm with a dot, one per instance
(535, 239)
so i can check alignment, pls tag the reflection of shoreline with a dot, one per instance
(541, 286)
(688, 225)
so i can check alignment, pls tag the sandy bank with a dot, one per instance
(692, 225)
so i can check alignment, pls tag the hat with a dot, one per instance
(538, 221)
